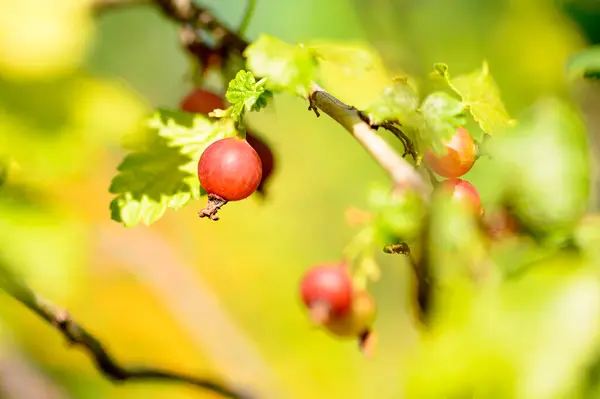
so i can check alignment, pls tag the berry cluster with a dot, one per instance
(458, 159)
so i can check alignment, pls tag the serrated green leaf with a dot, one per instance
(397, 103)
(442, 115)
(585, 64)
(287, 67)
(164, 174)
(480, 93)
(246, 94)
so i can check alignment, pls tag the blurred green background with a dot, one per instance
(221, 298)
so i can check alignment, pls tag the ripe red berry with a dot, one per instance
(230, 168)
(327, 290)
(463, 191)
(266, 157)
(459, 158)
(201, 101)
(358, 320)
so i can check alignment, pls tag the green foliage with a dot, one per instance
(513, 341)
(292, 68)
(396, 216)
(52, 127)
(398, 102)
(442, 114)
(455, 258)
(353, 58)
(287, 67)
(163, 174)
(246, 94)
(542, 167)
(585, 64)
(480, 93)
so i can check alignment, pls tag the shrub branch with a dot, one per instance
(76, 335)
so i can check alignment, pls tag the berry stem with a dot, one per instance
(320, 312)
(212, 207)
(247, 17)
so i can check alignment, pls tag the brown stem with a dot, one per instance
(212, 207)
(188, 12)
(403, 174)
(76, 335)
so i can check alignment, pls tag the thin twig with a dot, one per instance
(188, 12)
(409, 148)
(403, 174)
(77, 335)
(247, 17)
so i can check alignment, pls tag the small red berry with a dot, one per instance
(328, 289)
(201, 101)
(459, 158)
(463, 191)
(230, 168)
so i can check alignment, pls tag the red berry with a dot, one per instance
(327, 287)
(356, 322)
(459, 157)
(201, 101)
(266, 157)
(463, 191)
(230, 168)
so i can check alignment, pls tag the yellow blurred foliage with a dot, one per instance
(55, 128)
(41, 38)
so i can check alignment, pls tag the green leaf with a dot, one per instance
(542, 167)
(163, 175)
(480, 93)
(442, 114)
(513, 340)
(585, 64)
(354, 58)
(246, 94)
(397, 103)
(287, 67)
(456, 245)
(397, 216)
